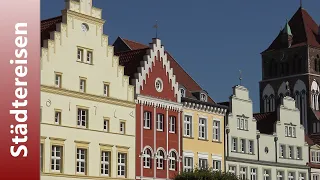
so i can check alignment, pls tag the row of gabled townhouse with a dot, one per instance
(131, 111)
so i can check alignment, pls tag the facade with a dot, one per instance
(87, 105)
(291, 67)
(314, 158)
(158, 111)
(265, 145)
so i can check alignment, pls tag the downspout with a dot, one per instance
(227, 148)
(276, 149)
(309, 169)
(258, 146)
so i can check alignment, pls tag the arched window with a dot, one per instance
(173, 161)
(147, 158)
(160, 158)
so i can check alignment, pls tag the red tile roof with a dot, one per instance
(48, 26)
(315, 138)
(266, 121)
(136, 53)
(304, 30)
(308, 140)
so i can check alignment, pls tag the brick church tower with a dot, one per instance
(291, 66)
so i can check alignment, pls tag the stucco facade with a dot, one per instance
(265, 145)
(203, 135)
(87, 105)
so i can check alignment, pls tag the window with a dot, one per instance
(232, 169)
(253, 174)
(82, 118)
(82, 85)
(242, 124)
(187, 126)
(203, 163)
(89, 57)
(203, 97)
(302, 176)
(147, 120)
(282, 150)
(58, 78)
(122, 159)
(315, 177)
(216, 165)
(160, 118)
(57, 117)
(243, 145)
(251, 146)
(315, 156)
(56, 158)
(183, 92)
(159, 85)
(216, 130)
(106, 125)
(160, 157)
(299, 153)
(147, 158)
(172, 124)
(266, 174)
(105, 161)
(41, 157)
(291, 176)
(188, 164)
(290, 131)
(172, 161)
(234, 144)
(106, 89)
(243, 173)
(202, 128)
(290, 154)
(280, 175)
(81, 161)
(80, 54)
(122, 127)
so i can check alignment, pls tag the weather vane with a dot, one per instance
(156, 27)
(240, 77)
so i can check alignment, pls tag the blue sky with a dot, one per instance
(211, 40)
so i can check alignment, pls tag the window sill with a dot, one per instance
(160, 130)
(203, 139)
(216, 141)
(188, 137)
(171, 132)
(146, 128)
(290, 158)
(159, 168)
(243, 153)
(81, 61)
(242, 129)
(172, 170)
(146, 167)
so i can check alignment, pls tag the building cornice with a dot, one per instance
(204, 108)
(91, 19)
(160, 103)
(86, 96)
(79, 176)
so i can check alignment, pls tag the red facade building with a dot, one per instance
(158, 111)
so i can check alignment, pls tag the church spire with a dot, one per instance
(287, 29)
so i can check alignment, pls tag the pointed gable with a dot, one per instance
(47, 26)
(304, 30)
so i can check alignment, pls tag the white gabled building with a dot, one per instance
(265, 145)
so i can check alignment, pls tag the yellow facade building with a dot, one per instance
(87, 104)
(203, 134)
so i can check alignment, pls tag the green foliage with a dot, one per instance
(205, 174)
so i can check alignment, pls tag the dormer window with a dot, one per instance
(183, 92)
(203, 97)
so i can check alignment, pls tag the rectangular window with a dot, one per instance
(105, 161)
(243, 145)
(313, 156)
(243, 173)
(188, 164)
(172, 124)
(233, 170)
(122, 127)
(216, 130)
(202, 128)
(82, 118)
(106, 125)
(122, 161)
(299, 154)
(106, 89)
(203, 163)
(41, 157)
(317, 156)
(290, 154)
(302, 176)
(89, 57)
(81, 161)
(216, 165)
(82, 85)
(58, 80)
(234, 145)
(80, 54)
(282, 149)
(56, 158)
(290, 131)
(291, 176)
(147, 120)
(57, 117)
(160, 118)
(188, 126)
(315, 177)
(253, 174)
(242, 124)
(251, 147)
(266, 174)
(280, 175)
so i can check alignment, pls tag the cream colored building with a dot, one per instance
(87, 104)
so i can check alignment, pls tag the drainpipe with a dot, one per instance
(258, 146)
(227, 148)
(309, 169)
(276, 149)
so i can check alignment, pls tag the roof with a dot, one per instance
(304, 30)
(309, 140)
(47, 26)
(266, 121)
(315, 139)
(131, 57)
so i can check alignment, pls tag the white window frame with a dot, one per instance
(298, 152)
(172, 126)
(106, 125)
(243, 145)
(216, 130)
(122, 161)
(251, 146)
(83, 118)
(160, 118)
(290, 152)
(282, 151)
(57, 117)
(105, 163)
(147, 115)
(106, 89)
(81, 152)
(290, 131)
(242, 124)
(253, 174)
(266, 174)
(122, 127)
(172, 161)
(147, 156)
(203, 97)
(58, 78)
(82, 85)
(315, 177)
(89, 57)
(291, 175)
(187, 126)
(302, 176)
(204, 126)
(202, 161)
(188, 165)
(80, 54)
(160, 159)
(216, 165)
(232, 169)
(280, 175)
(234, 144)
(183, 92)
(243, 173)
(56, 159)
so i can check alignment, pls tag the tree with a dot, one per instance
(205, 174)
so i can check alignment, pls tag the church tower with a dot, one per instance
(291, 67)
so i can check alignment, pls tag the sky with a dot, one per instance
(211, 40)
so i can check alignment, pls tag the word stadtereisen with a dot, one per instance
(19, 129)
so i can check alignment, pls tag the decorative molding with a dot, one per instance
(205, 108)
(150, 101)
(84, 17)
